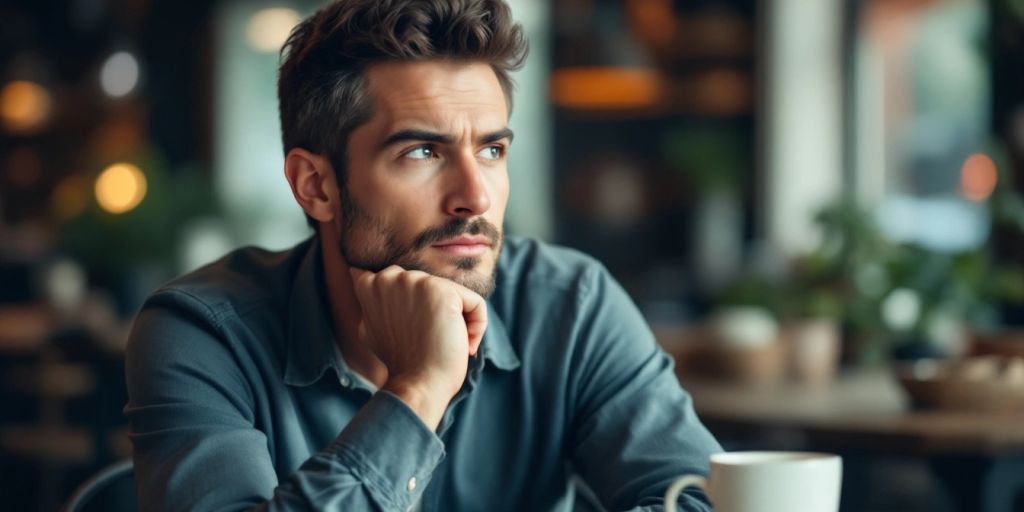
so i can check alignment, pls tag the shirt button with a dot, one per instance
(345, 381)
(412, 484)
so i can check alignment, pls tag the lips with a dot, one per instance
(466, 241)
(465, 246)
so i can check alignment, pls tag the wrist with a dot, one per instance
(425, 400)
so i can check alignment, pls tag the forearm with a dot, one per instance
(372, 462)
(367, 467)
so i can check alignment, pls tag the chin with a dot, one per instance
(476, 275)
(480, 284)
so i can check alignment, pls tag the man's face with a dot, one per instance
(427, 182)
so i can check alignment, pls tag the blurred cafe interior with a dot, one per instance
(818, 207)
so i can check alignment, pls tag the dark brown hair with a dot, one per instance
(322, 79)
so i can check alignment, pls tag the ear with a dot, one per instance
(314, 187)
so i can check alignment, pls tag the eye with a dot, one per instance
(492, 152)
(420, 153)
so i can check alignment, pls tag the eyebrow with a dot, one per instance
(440, 138)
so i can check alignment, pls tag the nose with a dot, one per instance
(467, 195)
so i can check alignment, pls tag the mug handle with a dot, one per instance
(672, 494)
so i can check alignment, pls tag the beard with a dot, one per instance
(368, 243)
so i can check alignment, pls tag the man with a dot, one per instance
(408, 355)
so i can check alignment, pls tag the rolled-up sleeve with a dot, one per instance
(191, 411)
(634, 429)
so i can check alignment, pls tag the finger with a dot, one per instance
(391, 270)
(413, 277)
(476, 322)
(361, 274)
(363, 332)
(360, 277)
(472, 303)
(474, 311)
(362, 282)
(474, 344)
(476, 335)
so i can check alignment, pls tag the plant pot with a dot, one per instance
(812, 350)
(761, 364)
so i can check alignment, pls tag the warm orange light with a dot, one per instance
(24, 106)
(978, 177)
(605, 88)
(120, 188)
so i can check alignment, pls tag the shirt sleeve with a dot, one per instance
(633, 428)
(191, 414)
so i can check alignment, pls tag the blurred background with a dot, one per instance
(817, 205)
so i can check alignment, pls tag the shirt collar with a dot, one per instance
(310, 350)
(310, 341)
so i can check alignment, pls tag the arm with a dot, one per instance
(191, 410)
(634, 429)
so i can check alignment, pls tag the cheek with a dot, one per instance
(408, 212)
(499, 193)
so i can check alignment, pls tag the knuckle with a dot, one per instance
(365, 283)
(406, 278)
(427, 283)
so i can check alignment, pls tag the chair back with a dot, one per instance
(92, 490)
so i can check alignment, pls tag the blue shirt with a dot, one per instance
(238, 400)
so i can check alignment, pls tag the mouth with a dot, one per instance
(464, 245)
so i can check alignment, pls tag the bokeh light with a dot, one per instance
(269, 28)
(120, 188)
(120, 74)
(901, 309)
(978, 177)
(605, 87)
(24, 106)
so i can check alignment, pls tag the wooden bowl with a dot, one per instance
(1007, 342)
(991, 384)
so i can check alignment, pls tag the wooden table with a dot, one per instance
(979, 456)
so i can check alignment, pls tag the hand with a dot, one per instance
(423, 328)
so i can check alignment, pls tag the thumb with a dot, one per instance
(474, 312)
(476, 325)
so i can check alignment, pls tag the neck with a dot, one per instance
(346, 314)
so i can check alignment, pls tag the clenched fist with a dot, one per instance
(423, 328)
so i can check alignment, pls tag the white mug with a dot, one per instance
(767, 482)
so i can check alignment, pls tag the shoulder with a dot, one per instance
(216, 322)
(545, 267)
(540, 286)
(566, 315)
(239, 281)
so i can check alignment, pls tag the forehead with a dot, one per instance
(441, 94)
